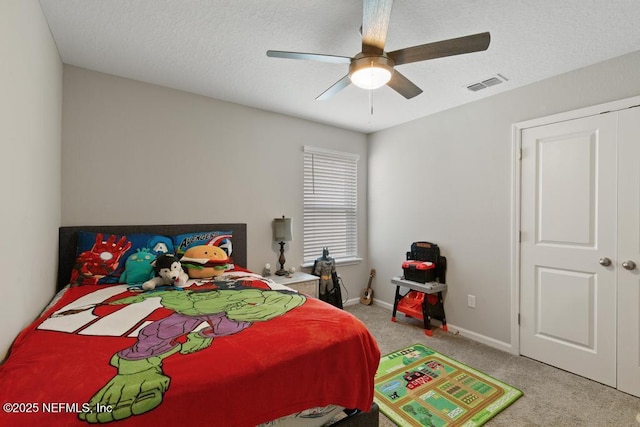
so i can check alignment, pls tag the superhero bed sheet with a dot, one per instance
(232, 350)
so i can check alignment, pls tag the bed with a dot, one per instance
(236, 350)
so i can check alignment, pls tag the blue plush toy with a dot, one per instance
(139, 267)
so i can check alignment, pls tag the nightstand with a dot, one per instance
(301, 282)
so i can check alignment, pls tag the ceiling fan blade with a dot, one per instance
(309, 56)
(457, 46)
(403, 85)
(375, 24)
(337, 87)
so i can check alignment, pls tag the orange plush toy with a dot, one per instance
(205, 261)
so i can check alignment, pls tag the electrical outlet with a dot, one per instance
(471, 301)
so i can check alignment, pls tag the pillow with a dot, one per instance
(100, 258)
(222, 239)
(182, 242)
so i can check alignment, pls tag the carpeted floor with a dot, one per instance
(552, 397)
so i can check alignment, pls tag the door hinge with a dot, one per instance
(520, 153)
(520, 236)
(518, 318)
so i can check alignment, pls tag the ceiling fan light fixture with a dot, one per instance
(373, 67)
(371, 72)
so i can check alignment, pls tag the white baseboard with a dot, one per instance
(491, 342)
(352, 301)
(383, 304)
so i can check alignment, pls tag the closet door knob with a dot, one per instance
(604, 261)
(629, 265)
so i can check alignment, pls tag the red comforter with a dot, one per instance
(222, 354)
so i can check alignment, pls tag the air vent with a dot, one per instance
(476, 87)
(491, 81)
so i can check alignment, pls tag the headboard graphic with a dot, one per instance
(68, 241)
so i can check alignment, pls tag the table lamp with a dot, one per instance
(282, 232)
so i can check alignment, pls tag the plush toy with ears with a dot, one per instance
(168, 271)
(139, 267)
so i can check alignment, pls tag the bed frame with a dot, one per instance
(361, 419)
(68, 242)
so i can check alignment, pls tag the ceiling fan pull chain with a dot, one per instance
(371, 92)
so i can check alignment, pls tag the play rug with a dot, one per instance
(417, 386)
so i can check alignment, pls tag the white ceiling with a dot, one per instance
(217, 48)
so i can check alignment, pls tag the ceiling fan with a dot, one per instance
(373, 67)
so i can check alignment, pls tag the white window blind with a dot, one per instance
(330, 204)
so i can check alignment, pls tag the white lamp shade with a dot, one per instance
(370, 72)
(282, 229)
(371, 77)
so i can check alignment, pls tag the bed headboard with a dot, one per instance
(68, 241)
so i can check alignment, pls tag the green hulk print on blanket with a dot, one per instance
(140, 383)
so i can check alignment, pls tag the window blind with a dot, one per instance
(330, 203)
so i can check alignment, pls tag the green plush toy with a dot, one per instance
(138, 268)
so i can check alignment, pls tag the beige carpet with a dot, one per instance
(552, 397)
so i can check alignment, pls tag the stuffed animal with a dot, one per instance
(205, 261)
(168, 272)
(139, 267)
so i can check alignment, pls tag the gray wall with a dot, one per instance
(30, 115)
(446, 178)
(135, 153)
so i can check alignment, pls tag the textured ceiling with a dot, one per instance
(217, 48)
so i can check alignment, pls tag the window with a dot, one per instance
(330, 204)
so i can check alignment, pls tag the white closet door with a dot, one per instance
(629, 250)
(568, 222)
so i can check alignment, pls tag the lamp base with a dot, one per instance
(281, 261)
